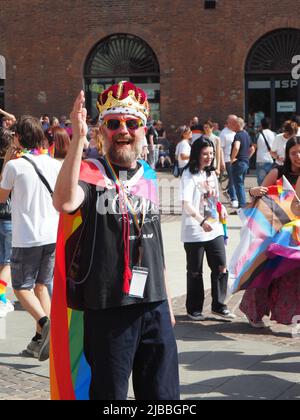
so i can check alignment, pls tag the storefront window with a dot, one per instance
(271, 89)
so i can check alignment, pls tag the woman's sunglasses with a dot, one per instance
(131, 124)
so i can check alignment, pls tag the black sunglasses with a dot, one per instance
(131, 124)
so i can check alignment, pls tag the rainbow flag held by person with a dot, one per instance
(223, 221)
(3, 286)
(269, 245)
(69, 371)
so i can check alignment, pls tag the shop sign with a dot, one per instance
(286, 106)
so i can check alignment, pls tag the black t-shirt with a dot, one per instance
(245, 140)
(152, 132)
(103, 287)
(292, 178)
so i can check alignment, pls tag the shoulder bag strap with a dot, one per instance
(41, 176)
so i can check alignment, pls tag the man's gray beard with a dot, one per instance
(124, 157)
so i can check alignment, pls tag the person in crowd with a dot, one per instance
(264, 140)
(208, 131)
(183, 148)
(152, 139)
(8, 120)
(164, 157)
(61, 142)
(6, 138)
(202, 233)
(242, 150)
(296, 119)
(160, 130)
(34, 225)
(282, 297)
(124, 329)
(290, 129)
(227, 137)
(216, 129)
(54, 122)
(95, 148)
(45, 121)
(196, 129)
(68, 128)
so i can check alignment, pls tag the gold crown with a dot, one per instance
(123, 95)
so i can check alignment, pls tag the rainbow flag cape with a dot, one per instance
(270, 240)
(69, 370)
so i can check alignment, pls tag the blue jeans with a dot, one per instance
(136, 338)
(231, 189)
(262, 169)
(239, 172)
(5, 241)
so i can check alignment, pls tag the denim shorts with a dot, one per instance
(5, 241)
(30, 266)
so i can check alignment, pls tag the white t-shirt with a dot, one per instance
(298, 132)
(263, 154)
(34, 219)
(227, 137)
(203, 193)
(182, 147)
(279, 147)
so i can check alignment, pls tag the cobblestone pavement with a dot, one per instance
(239, 329)
(19, 385)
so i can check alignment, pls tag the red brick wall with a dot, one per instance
(201, 52)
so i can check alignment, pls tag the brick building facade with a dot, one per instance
(201, 53)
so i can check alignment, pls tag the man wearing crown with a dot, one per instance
(128, 318)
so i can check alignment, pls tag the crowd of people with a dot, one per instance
(52, 166)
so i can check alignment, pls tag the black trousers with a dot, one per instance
(216, 258)
(135, 338)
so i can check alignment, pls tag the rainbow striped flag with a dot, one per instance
(3, 286)
(69, 371)
(269, 245)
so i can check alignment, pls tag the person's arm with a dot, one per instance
(8, 115)
(269, 180)
(218, 156)
(295, 206)
(68, 195)
(235, 151)
(251, 151)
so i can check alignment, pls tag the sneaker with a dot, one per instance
(258, 324)
(235, 204)
(45, 342)
(9, 306)
(224, 313)
(3, 309)
(196, 316)
(33, 348)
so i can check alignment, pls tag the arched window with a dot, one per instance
(122, 57)
(271, 87)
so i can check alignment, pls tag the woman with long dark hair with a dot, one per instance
(282, 297)
(202, 233)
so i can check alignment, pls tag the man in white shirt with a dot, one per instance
(263, 144)
(34, 225)
(227, 137)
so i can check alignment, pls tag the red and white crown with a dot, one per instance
(123, 98)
